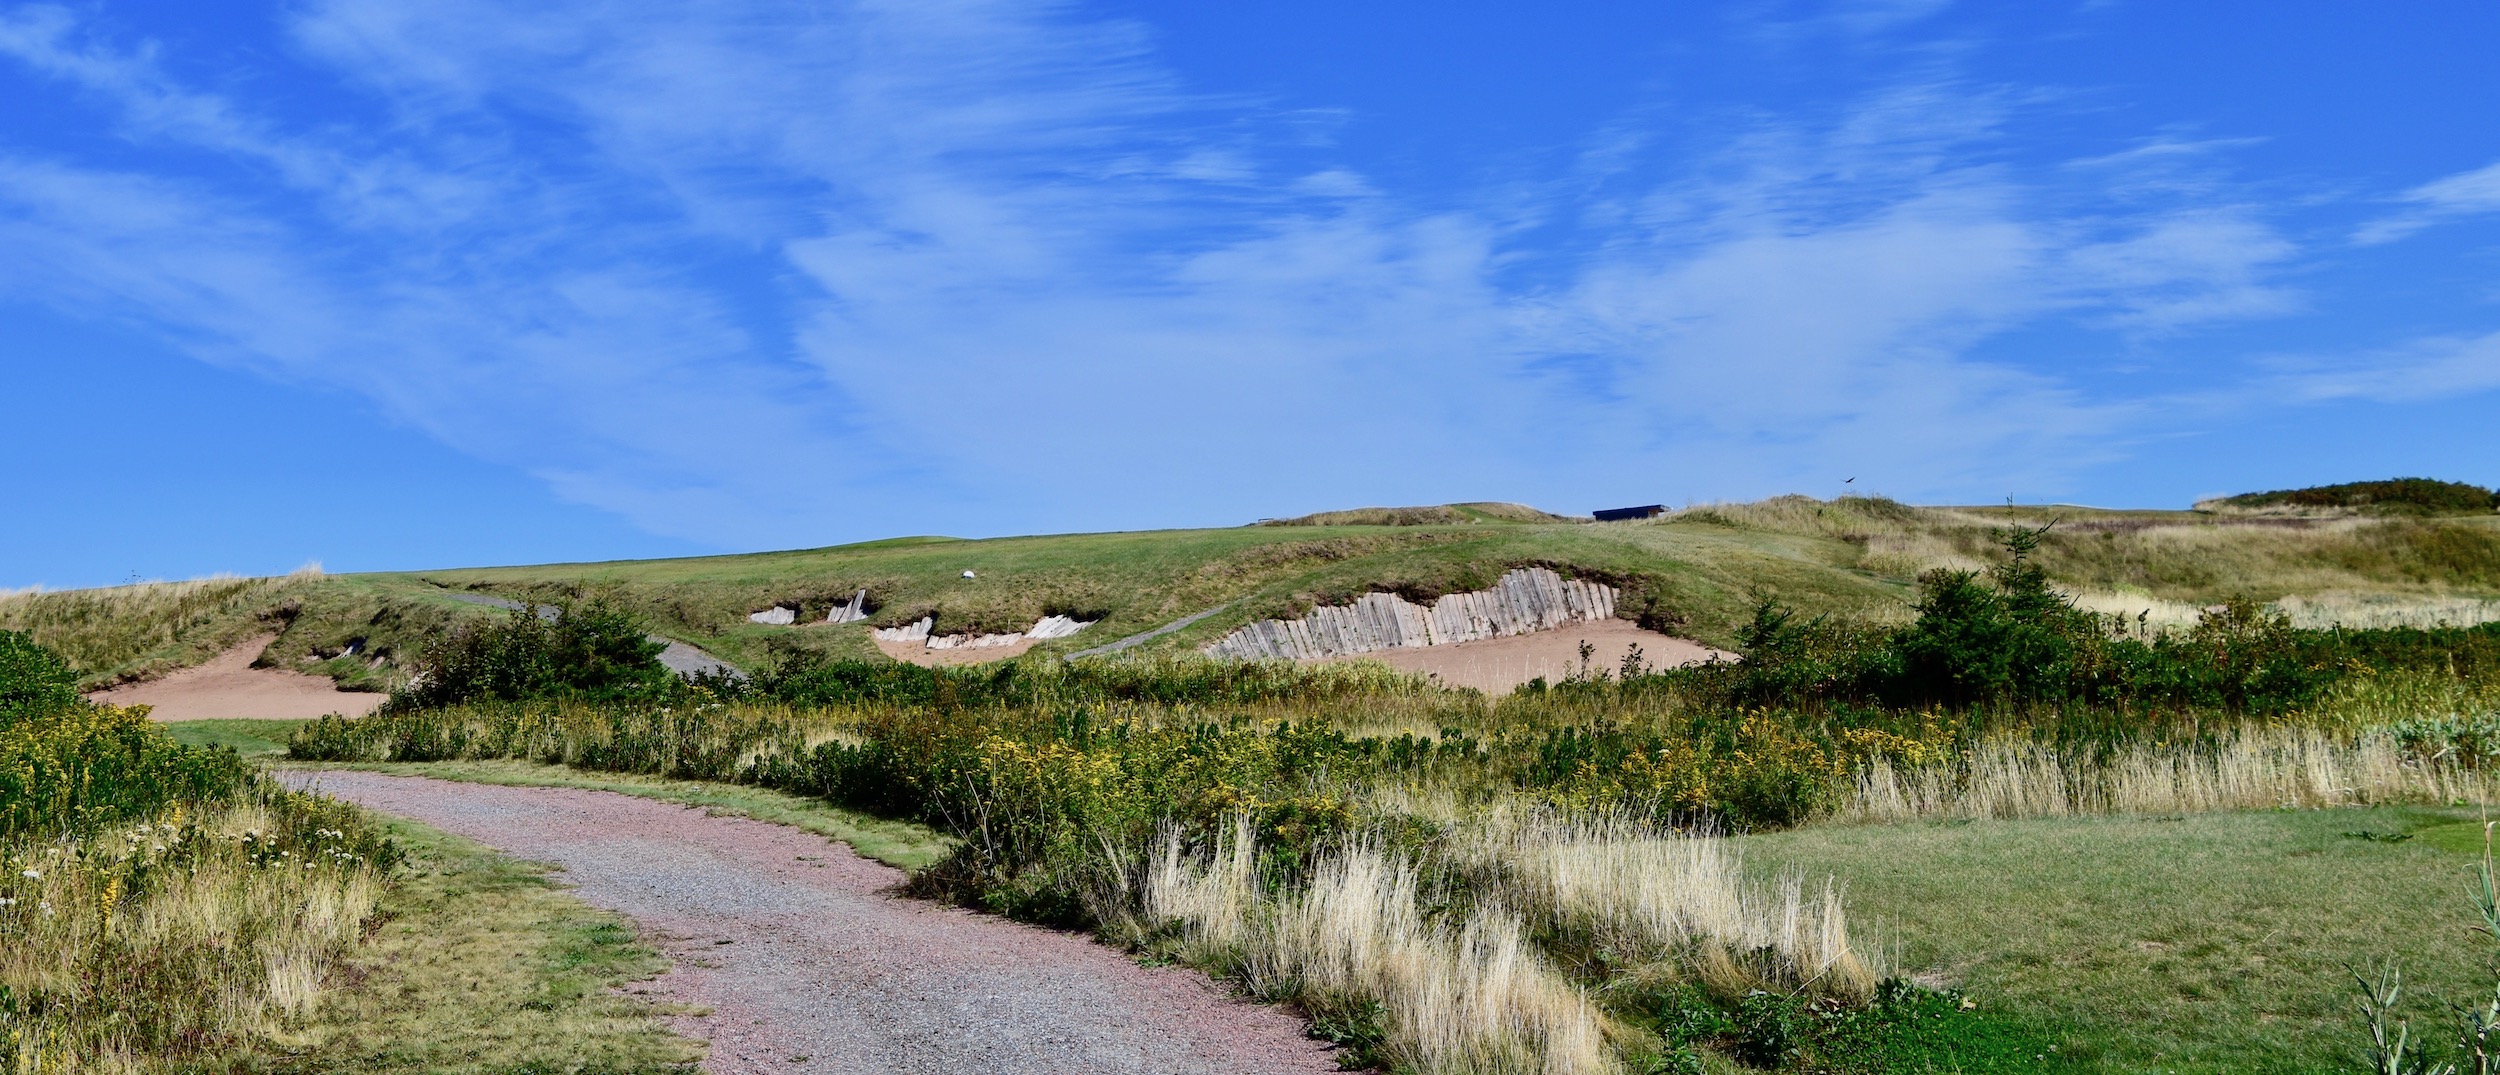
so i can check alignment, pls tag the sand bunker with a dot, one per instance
(1524, 601)
(921, 654)
(228, 686)
(912, 642)
(1501, 665)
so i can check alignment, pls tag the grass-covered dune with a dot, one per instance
(2395, 496)
(2008, 789)
(1696, 572)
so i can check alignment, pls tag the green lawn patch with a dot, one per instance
(2460, 836)
(481, 965)
(250, 738)
(2211, 943)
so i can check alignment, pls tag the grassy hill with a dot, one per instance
(2396, 496)
(1696, 572)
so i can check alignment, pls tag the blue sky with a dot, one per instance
(393, 284)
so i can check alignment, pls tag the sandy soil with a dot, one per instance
(919, 654)
(807, 964)
(1501, 665)
(228, 686)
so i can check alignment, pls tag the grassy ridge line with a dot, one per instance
(1702, 567)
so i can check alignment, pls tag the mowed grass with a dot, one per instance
(483, 965)
(1703, 576)
(250, 738)
(2209, 943)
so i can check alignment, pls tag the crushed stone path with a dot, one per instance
(1147, 636)
(808, 965)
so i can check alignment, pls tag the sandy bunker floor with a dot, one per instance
(228, 686)
(919, 654)
(1502, 665)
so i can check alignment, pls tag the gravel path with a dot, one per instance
(1144, 636)
(807, 965)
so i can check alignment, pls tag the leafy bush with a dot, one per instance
(69, 766)
(157, 902)
(593, 653)
(2009, 639)
(2423, 496)
(33, 680)
(798, 680)
(77, 769)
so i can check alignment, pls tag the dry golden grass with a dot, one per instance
(2258, 768)
(120, 633)
(1683, 900)
(1472, 992)
(1467, 996)
(2354, 570)
(197, 931)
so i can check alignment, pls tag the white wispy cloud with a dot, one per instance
(2465, 194)
(2431, 368)
(752, 274)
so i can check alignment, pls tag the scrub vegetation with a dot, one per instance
(1446, 882)
(160, 905)
(1696, 573)
(1991, 789)
(164, 907)
(2400, 496)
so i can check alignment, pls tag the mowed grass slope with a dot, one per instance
(2205, 943)
(1697, 573)
(1694, 578)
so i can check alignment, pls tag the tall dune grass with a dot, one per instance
(136, 631)
(2255, 768)
(198, 932)
(1638, 892)
(1450, 993)
(1468, 959)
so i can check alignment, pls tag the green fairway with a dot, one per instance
(250, 738)
(2212, 943)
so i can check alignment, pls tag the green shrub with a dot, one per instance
(2422, 496)
(67, 766)
(801, 680)
(33, 680)
(593, 653)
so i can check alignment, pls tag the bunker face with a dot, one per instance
(851, 611)
(913, 642)
(1502, 665)
(228, 686)
(1528, 626)
(1524, 601)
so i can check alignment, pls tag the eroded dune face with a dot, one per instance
(1502, 665)
(228, 686)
